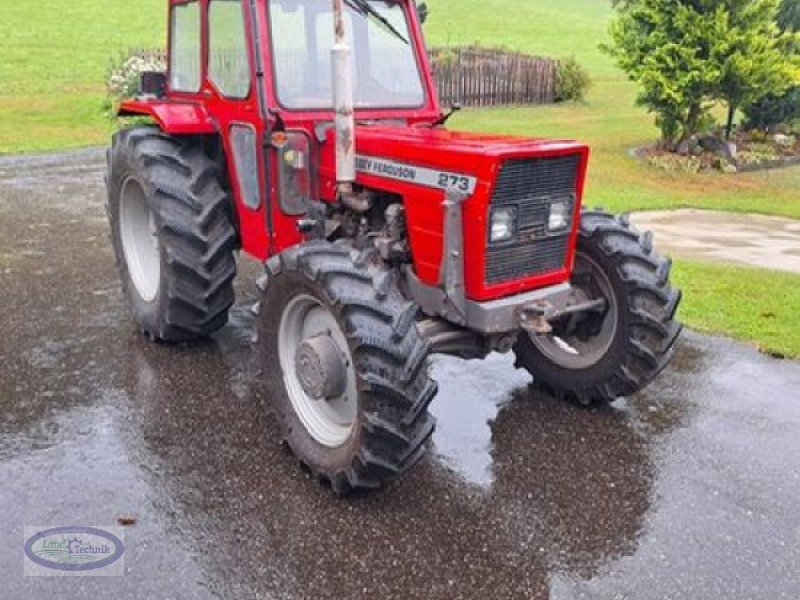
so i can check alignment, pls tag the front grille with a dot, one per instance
(531, 185)
(525, 259)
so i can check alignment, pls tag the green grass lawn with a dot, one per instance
(53, 60)
(753, 305)
(53, 57)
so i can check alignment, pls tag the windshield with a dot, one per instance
(386, 74)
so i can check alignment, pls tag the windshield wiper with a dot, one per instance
(364, 7)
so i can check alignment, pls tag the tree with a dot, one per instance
(655, 42)
(750, 55)
(771, 110)
(687, 55)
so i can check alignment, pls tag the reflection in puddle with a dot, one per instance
(539, 487)
(470, 395)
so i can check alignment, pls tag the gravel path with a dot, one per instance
(754, 240)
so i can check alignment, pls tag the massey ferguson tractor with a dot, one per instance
(308, 133)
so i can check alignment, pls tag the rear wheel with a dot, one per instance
(172, 234)
(601, 355)
(345, 369)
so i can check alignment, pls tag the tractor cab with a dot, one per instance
(308, 133)
(286, 45)
(260, 75)
(387, 67)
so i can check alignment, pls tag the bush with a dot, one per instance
(772, 110)
(572, 81)
(789, 15)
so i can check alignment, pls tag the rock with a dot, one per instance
(729, 168)
(687, 146)
(787, 141)
(720, 147)
(710, 143)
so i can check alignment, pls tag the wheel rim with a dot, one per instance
(139, 240)
(330, 421)
(581, 341)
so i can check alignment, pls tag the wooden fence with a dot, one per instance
(481, 77)
(477, 76)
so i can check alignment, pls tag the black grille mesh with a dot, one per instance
(531, 185)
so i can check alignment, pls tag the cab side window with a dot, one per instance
(228, 66)
(185, 45)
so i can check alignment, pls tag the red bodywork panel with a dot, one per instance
(267, 230)
(470, 154)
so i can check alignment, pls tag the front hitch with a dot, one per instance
(537, 317)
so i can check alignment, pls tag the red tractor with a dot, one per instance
(308, 133)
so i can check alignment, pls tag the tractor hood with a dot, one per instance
(473, 154)
(438, 158)
(405, 141)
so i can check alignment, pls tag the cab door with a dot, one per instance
(231, 95)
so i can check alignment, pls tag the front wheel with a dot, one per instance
(345, 369)
(599, 356)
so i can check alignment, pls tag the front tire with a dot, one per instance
(599, 357)
(172, 234)
(344, 366)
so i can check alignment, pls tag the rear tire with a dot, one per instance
(172, 234)
(357, 300)
(623, 350)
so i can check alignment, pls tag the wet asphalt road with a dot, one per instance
(689, 490)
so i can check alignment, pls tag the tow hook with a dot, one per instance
(537, 318)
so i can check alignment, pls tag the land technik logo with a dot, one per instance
(74, 550)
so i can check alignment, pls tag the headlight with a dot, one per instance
(560, 216)
(503, 223)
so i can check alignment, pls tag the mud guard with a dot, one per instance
(174, 118)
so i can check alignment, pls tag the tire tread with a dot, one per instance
(194, 229)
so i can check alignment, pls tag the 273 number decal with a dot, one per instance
(459, 182)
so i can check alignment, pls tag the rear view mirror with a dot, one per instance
(153, 83)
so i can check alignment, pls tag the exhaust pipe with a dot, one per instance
(343, 101)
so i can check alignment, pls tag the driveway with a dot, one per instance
(688, 490)
(754, 240)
